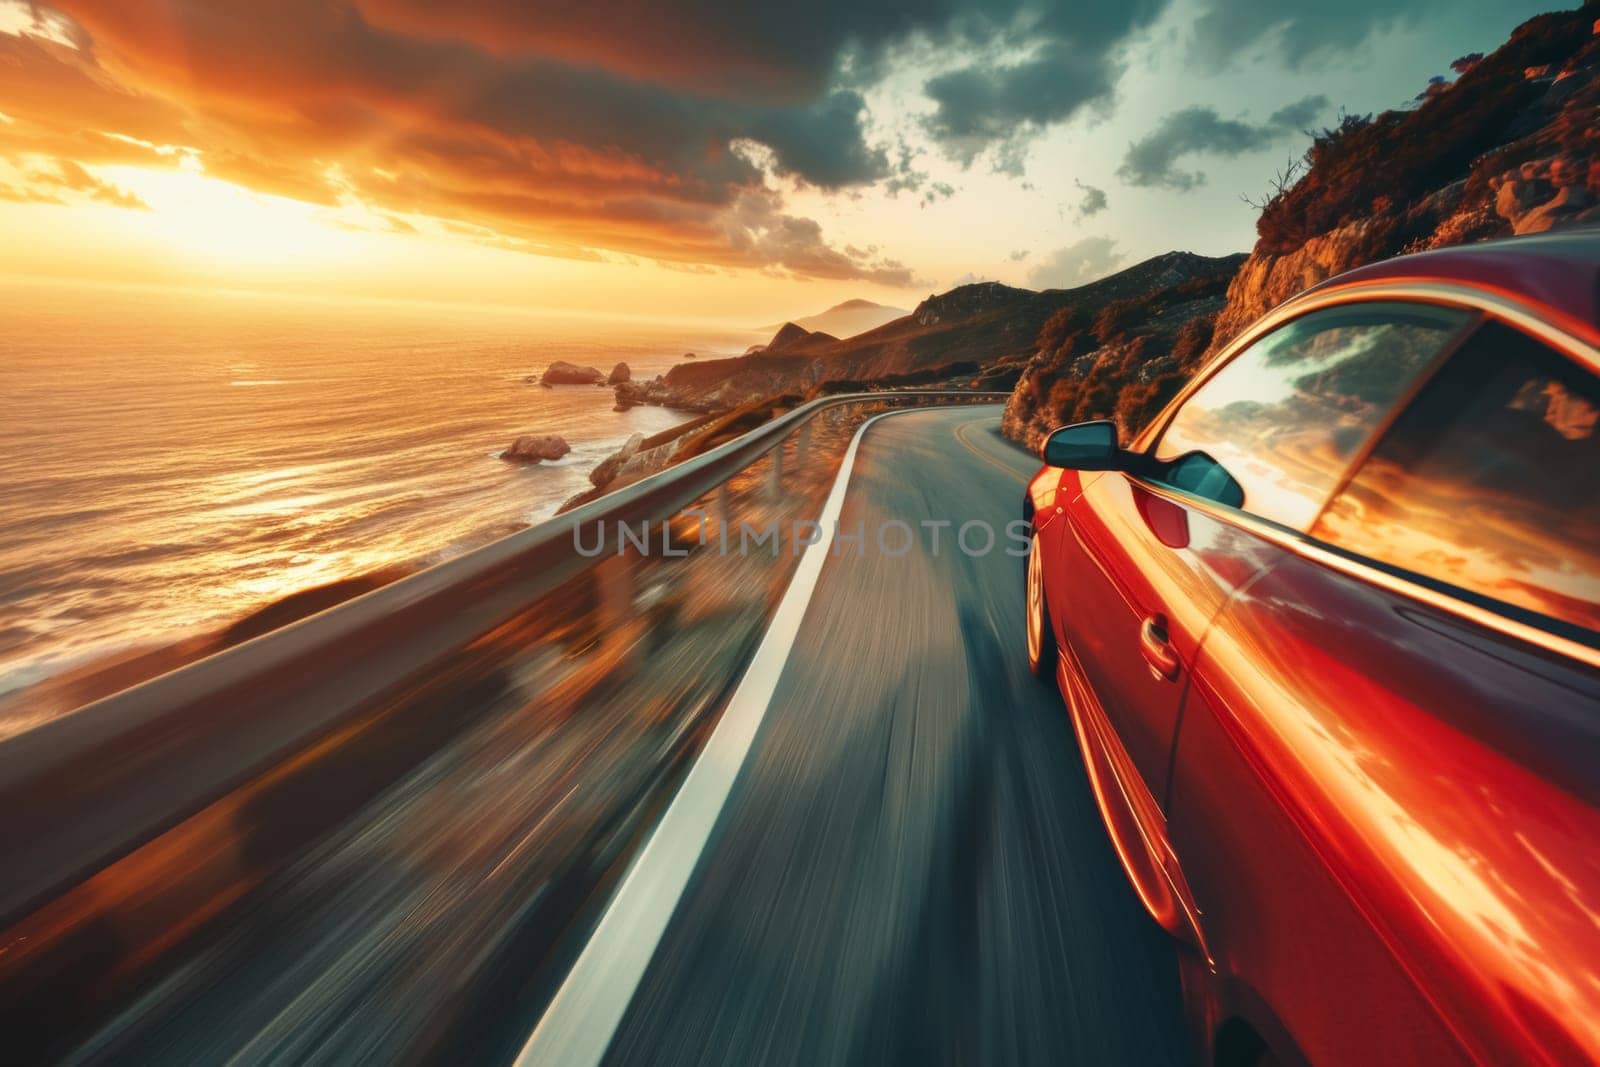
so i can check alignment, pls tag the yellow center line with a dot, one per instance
(961, 435)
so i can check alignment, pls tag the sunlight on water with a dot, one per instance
(168, 466)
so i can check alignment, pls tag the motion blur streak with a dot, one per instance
(910, 868)
(412, 887)
(585, 1012)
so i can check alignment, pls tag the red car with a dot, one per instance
(1329, 630)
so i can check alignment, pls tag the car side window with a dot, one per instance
(1489, 482)
(1275, 429)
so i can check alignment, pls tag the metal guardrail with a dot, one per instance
(81, 791)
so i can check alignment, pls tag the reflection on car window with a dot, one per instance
(1201, 475)
(1285, 416)
(1490, 482)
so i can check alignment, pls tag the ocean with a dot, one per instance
(170, 464)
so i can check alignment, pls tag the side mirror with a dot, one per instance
(1085, 446)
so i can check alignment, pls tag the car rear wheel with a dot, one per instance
(1041, 639)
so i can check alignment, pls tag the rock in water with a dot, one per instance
(606, 471)
(562, 373)
(629, 394)
(535, 447)
(619, 373)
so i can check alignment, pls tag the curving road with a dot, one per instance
(909, 867)
(892, 858)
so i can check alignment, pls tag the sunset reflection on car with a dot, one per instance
(1329, 633)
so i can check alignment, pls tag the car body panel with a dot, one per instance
(1433, 773)
(1133, 819)
(1377, 818)
(1133, 556)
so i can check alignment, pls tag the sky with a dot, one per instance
(714, 159)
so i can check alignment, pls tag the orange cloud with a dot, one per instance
(313, 102)
(65, 174)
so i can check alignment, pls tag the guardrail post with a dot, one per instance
(775, 485)
(802, 444)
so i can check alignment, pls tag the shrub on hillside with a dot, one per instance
(1380, 165)
(1120, 361)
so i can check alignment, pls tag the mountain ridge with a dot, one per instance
(845, 319)
(983, 332)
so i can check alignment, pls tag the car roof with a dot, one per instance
(1558, 272)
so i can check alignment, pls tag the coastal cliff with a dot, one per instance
(1512, 146)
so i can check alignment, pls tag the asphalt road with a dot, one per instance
(909, 868)
(904, 864)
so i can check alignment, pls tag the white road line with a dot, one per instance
(581, 1020)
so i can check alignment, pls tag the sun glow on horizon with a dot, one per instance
(211, 219)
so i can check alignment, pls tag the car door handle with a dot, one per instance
(1158, 651)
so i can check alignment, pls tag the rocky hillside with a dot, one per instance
(794, 340)
(1512, 146)
(980, 334)
(1123, 358)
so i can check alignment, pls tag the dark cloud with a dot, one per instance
(1076, 264)
(823, 144)
(1073, 64)
(738, 48)
(978, 108)
(1094, 200)
(724, 47)
(1152, 160)
(789, 54)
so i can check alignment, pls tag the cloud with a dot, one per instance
(611, 126)
(1152, 160)
(739, 49)
(979, 107)
(21, 195)
(1076, 264)
(789, 244)
(1296, 30)
(68, 175)
(1093, 202)
(1072, 63)
(552, 155)
(823, 144)
(607, 125)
